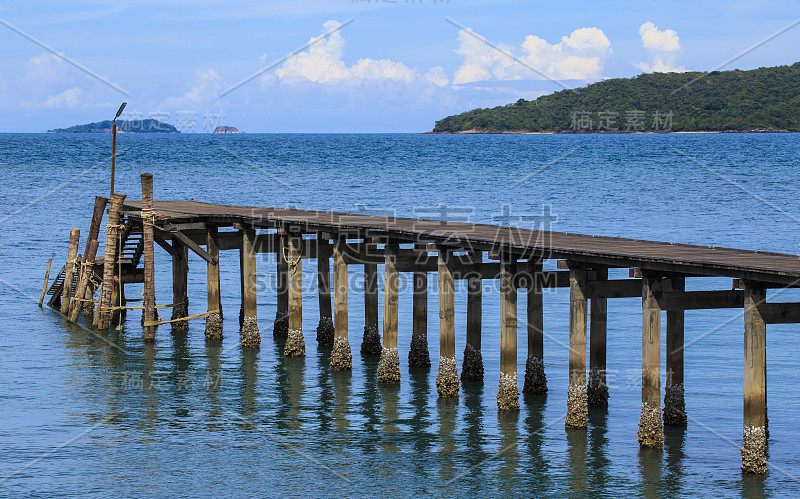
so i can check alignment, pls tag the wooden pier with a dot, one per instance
(657, 274)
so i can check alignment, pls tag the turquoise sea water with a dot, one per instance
(82, 414)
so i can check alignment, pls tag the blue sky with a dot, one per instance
(397, 66)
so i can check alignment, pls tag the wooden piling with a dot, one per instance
(85, 276)
(389, 366)
(295, 343)
(754, 437)
(674, 404)
(213, 330)
(507, 393)
(46, 281)
(597, 389)
(535, 378)
(341, 357)
(250, 336)
(113, 230)
(325, 329)
(418, 354)
(472, 366)
(70, 269)
(180, 283)
(371, 343)
(447, 378)
(650, 431)
(148, 257)
(577, 411)
(280, 327)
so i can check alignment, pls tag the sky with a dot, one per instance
(353, 65)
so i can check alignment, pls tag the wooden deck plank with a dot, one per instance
(655, 255)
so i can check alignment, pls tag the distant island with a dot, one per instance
(759, 100)
(123, 126)
(227, 129)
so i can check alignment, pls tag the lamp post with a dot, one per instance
(114, 144)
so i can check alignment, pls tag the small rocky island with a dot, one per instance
(123, 126)
(227, 129)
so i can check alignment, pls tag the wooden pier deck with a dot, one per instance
(657, 274)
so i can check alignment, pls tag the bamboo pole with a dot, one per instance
(46, 280)
(447, 379)
(180, 281)
(250, 335)
(472, 366)
(650, 431)
(674, 404)
(597, 389)
(535, 378)
(295, 342)
(213, 329)
(577, 411)
(754, 436)
(418, 354)
(341, 357)
(87, 269)
(325, 328)
(70, 268)
(371, 344)
(507, 394)
(389, 366)
(148, 257)
(85, 275)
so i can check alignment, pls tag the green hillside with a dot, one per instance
(763, 99)
(123, 126)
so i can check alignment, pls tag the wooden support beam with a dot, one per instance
(780, 313)
(577, 409)
(341, 357)
(701, 300)
(389, 366)
(148, 258)
(281, 326)
(250, 335)
(472, 366)
(165, 245)
(616, 288)
(447, 378)
(597, 389)
(213, 291)
(295, 342)
(674, 404)
(754, 439)
(508, 394)
(535, 378)
(180, 284)
(650, 431)
(371, 343)
(324, 283)
(187, 241)
(418, 355)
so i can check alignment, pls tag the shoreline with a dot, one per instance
(603, 132)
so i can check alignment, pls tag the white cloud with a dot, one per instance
(69, 98)
(323, 63)
(205, 87)
(581, 55)
(663, 47)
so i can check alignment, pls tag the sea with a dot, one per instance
(84, 413)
